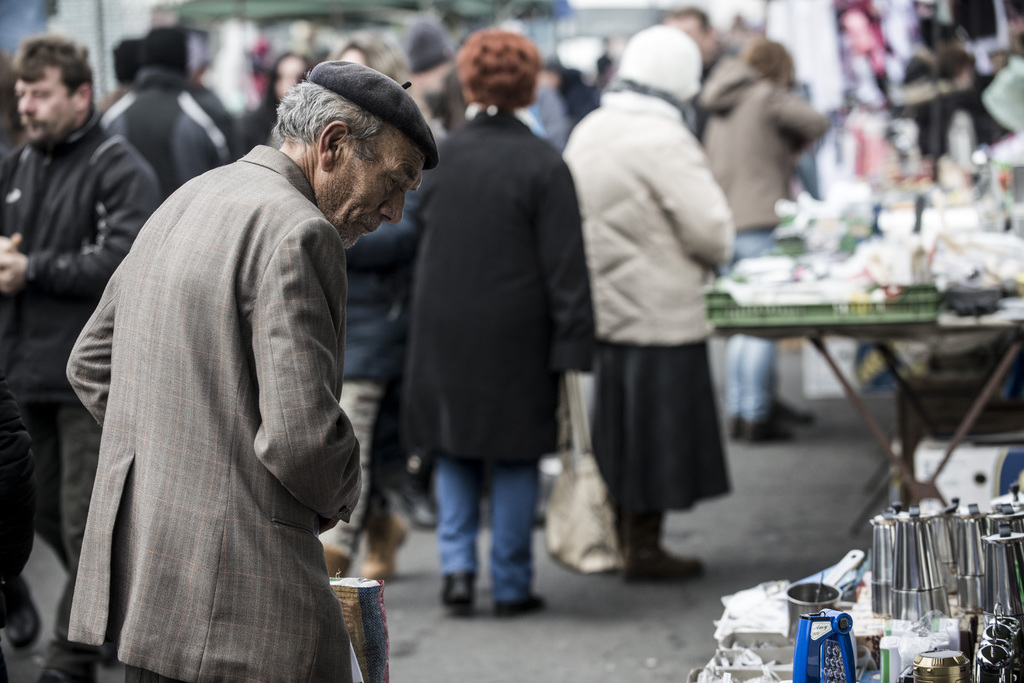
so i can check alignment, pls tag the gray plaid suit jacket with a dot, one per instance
(214, 363)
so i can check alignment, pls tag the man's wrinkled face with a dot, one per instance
(48, 111)
(357, 195)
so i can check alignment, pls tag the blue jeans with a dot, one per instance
(750, 361)
(514, 486)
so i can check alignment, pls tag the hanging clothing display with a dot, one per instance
(985, 22)
(808, 30)
(900, 28)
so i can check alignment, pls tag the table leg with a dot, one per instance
(918, 490)
(979, 402)
(915, 403)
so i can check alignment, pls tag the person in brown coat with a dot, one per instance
(756, 130)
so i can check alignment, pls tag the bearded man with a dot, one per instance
(74, 198)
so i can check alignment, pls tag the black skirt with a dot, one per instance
(656, 435)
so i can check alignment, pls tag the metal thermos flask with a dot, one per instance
(999, 652)
(944, 528)
(883, 529)
(917, 586)
(1006, 512)
(993, 664)
(972, 526)
(1004, 575)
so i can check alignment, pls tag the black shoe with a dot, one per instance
(22, 617)
(54, 676)
(534, 603)
(788, 413)
(769, 430)
(458, 593)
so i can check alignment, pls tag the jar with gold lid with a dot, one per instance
(942, 666)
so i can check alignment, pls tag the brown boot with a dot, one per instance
(337, 560)
(643, 558)
(384, 535)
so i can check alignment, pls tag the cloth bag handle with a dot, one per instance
(574, 424)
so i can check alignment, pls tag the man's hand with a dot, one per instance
(326, 524)
(13, 265)
(10, 244)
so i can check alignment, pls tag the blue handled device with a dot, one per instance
(824, 648)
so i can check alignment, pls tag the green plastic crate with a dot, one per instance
(917, 303)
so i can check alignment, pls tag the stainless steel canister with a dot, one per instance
(1016, 500)
(917, 585)
(883, 529)
(944, 528)
(993, 664)
(1001, 631)
(972, 526)
(1005, 632)
(1004, 575)
(1006, 512)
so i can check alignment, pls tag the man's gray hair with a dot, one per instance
(309, 108)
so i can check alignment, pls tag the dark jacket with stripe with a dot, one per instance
(164, 121)
(78, 208)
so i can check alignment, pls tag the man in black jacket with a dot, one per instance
(74, 198)
(17, 497)
(162, 118)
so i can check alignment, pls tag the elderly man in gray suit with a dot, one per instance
(214, 363)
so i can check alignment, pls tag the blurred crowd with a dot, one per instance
(571, 225)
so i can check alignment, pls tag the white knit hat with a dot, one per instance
(664, 58)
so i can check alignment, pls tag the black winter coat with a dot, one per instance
(257, 126)
(17, 487)
(501, 296)
(78, 208)
(379, 270)
(171, 130)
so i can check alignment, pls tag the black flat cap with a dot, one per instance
(381, 96)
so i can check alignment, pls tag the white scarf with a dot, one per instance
(626, 100)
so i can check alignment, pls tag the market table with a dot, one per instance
(944, 330)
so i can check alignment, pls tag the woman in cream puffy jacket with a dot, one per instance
(656, 224)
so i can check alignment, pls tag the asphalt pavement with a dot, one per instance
(793, 511)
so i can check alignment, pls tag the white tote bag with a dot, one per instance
(580, 523)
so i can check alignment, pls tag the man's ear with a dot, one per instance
(332, 144)
(82, 97)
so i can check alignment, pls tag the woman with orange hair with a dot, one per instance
(501, 306)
